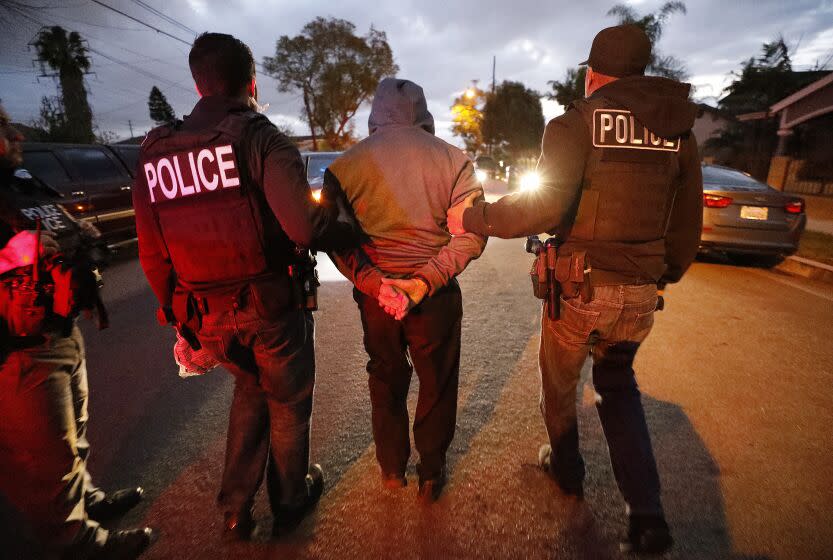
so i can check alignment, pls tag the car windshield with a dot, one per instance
(722, 178)
(317, 166)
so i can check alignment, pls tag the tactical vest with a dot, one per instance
(30, 304)
(213, 221)
(25, 201)
(628, 190)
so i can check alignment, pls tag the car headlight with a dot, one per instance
(530, 181)
(481, 175)
(316, 195)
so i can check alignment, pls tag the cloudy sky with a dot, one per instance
(441, 44)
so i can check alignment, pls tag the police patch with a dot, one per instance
(192, 172)
(614, 128)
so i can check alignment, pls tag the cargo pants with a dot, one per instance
(44, 482)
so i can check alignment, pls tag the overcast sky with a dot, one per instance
(441, 44)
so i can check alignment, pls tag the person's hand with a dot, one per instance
(455, 214)
(20, 250)
(88, 230)
(414, 289)
(394, 301)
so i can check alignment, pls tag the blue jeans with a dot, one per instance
(273, 363)
(610, 327)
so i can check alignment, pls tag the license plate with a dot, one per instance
(754, 212)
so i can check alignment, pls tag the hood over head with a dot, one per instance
(399, 103)
(662, 105)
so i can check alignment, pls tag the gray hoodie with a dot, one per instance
(400, 182)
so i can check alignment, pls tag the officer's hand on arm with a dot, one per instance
(20, 250)
(455, 214)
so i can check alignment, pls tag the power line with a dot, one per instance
(138, 69)
(164, 16)
(137, 20)
(174, 37)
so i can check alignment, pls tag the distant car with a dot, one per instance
(95, 181)
(744, 217)
(485, 167)
(316, 163)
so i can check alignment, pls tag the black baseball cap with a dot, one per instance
(619, 51)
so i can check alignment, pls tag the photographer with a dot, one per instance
(46, 279)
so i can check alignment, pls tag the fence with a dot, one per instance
(783, 175)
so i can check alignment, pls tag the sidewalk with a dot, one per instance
(819, 213)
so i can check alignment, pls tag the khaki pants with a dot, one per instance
(44, 448)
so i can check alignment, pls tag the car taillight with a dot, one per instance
(794, 207)
(715, 201)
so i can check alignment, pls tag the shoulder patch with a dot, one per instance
(616, 128)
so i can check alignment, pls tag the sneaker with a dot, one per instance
(288, 519)
(545, 462)
(647, 534)
(125, 545)
(115, 504)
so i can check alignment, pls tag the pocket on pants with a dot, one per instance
(214, 345)
(642, 324)
(574, 324)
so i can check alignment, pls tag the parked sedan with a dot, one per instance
(744, 217)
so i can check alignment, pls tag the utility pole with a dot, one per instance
(494, 63)
(130, 124)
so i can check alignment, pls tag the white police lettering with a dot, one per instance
(614, 128)
(50, 216)
(193, 172)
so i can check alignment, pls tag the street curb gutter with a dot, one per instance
(799, 266)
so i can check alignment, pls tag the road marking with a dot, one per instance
(824, 293)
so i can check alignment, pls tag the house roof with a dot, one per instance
(706, 108)
(802, 93)
(801, 79)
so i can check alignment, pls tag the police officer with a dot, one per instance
(224, 213)
(44, 484)
(621, 186)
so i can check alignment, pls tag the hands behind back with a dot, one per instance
(398, 296)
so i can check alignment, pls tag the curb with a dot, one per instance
(806, 268)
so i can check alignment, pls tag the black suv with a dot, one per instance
(95, 180)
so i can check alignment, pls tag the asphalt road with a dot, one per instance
(737, 381)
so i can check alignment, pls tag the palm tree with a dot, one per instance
(65, 54)
(653, 24)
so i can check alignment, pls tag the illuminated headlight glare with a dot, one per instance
(316, 195)
(530, 181)
(481, 175)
